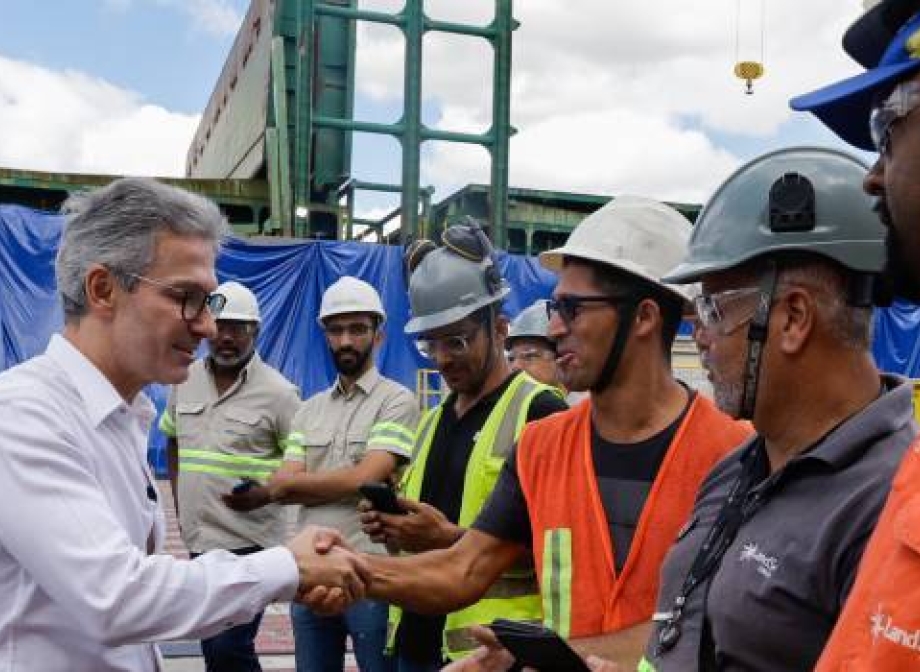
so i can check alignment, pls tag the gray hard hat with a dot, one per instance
(445, 288)
(532, 322)
(802, 199)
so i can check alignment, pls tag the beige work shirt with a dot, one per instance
(223, 439)
(335, 429)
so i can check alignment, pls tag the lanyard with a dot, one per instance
(736, 509)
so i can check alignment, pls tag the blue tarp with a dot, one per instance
(289, 280)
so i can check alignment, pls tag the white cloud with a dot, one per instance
(69, 121)
(217, 17)
(619, 96)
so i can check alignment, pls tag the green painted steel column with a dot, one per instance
(279, 102)
(413, 26)
(303, 121)
(504, 24)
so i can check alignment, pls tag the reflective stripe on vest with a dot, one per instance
(204, 461)
(515, 595)
(556, 580)
(645, 666)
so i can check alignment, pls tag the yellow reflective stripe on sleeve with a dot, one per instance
(168, 425)
(258, 462)
(394, 428)
(295, 439)
(645, 666)
(393, 435)
(557, 580)
(232, 472)
(295, 453)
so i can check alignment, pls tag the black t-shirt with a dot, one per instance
(625, 473)
(419, 637)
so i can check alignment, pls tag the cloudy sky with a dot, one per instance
(609, 96)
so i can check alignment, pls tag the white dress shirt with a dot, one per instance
(78, 513)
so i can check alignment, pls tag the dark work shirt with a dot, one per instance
(419, 637)
(625, 473)
(771, 602)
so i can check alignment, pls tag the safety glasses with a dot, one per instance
(712, 313)
(903, 100)
(453, 345)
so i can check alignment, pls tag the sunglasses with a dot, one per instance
(570, 306)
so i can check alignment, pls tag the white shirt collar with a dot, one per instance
(99, 395)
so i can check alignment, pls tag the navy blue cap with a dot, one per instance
(866, 40)
(844, 107)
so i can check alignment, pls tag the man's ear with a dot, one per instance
(101, 290)
(796, 316)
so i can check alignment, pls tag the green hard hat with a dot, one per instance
(802, 199)
(532, 322)
(445, 288)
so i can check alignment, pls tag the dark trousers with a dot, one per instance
(234, 650)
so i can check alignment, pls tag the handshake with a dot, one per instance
(332, 576)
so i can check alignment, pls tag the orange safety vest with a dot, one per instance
(879, 628)
(573, 552)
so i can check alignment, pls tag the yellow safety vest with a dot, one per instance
(516, 594)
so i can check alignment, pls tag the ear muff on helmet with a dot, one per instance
(415, 252)
(467, 239)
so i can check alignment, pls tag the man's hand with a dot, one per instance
(490, 657)
(603, 665)
(248, 500)
(332, 576)
(423, 528)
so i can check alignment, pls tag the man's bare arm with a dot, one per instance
(438, 582)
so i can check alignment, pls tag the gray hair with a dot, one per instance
(849, 325)
(116, 226)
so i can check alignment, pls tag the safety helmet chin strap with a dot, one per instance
(627, 311)
(757, 336)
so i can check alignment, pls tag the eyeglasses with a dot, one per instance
(903, 100)
(193, 301)
(455, 345)
(710, 309)
(570, 306)
(235, 328)
(354, 329)
(529, 356)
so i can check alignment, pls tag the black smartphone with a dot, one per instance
(244, 485)
(534, 645)
(382, 496)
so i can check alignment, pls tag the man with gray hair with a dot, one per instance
(80, 521)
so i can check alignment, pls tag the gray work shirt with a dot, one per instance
(772, 601)
(336, 429)
(222, 439)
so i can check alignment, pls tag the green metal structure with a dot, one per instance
(245, 203)
(283, 110)
(274, 145)
(538, 220)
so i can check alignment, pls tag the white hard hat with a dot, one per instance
(241, 303)
(350, 295)
(636, 235)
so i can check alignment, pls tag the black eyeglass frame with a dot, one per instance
(193, 302)
(570, 306)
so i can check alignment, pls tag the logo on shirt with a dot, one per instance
(766, 564)
(884, 626)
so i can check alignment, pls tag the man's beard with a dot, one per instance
(353, 366)
(900, 273)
